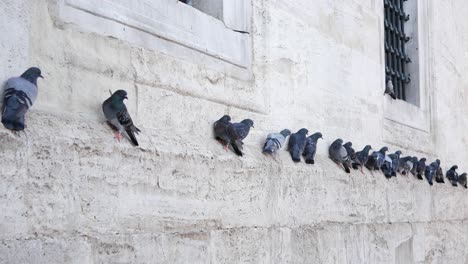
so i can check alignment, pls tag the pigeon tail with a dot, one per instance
(236, 148)
(269, 147)
(13, 113)
(295, 153)
(309, 161)
(346, 168)
(420, 176)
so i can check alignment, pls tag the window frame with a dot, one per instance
(175, 29)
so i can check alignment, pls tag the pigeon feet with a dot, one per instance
(118, 136)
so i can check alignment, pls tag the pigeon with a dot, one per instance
(351, 154)
(275, 141)
(296, 144)
(421, 168)
(405, 165)
(389, 87)
(362, 157)
(339, 154)
(439, 177)
(452, 175)
(20, 94)
(376, 159)
(415, 165)
(387, 167)
(220, 130)
(431, 171)
(311, 147)
(462, 180)
(117, 115)
(226, 134)
(395, 162)
(243, 128)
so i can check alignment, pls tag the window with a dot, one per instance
(396, 56)
(213, 8)
(214, 33)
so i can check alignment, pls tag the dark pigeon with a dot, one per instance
(243, 128)
(20, 94)
(389, 87)
(421, 168)
(339, 154)
(439, 177)
(431, 171)
(376, 159)
(220, 130)
(387, 168)
(452, 175)
(415, 166)
(311, 147)
(395, 157)
(362, 157)
(117, 115)
(275, 141)
(462, 180)
(296, 144)
(351, 154)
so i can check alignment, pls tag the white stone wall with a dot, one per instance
(69, 193)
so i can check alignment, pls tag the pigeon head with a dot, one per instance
(437, 161)
(415, 159)
(303, 131)
(120, 95)
(398, 153)
(383, 150)
(340, 141)
(422, 160)
(285, 132)
(316, 136)
(348, 144)
(454, 167)
(248, 122)
(225, 118)
(32, 74)
(367, 148)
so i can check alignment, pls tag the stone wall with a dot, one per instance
(69, 193)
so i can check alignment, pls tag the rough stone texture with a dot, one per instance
(70, 194)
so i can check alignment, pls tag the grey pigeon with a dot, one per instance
(226, 134)
(405, 165)
(311, 147)
(339, 154)
(452, 175)
(243, 128)
(395, 157)
(431, 171)
(20, 94)
(415, 166)
(117, 115)
(376, 159)
(351, 154)
(462, 180)
(275, 141)
(421, 168)
(389, 87)
(362, 157)
(296, 144)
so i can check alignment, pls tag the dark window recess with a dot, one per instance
(395, 40)
(188, 2)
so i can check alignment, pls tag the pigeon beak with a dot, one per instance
(41, 76)
(253, 126)
(126, 97)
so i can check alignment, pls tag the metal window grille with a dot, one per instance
(395, 40)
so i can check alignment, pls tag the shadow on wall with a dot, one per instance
(404, 252)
